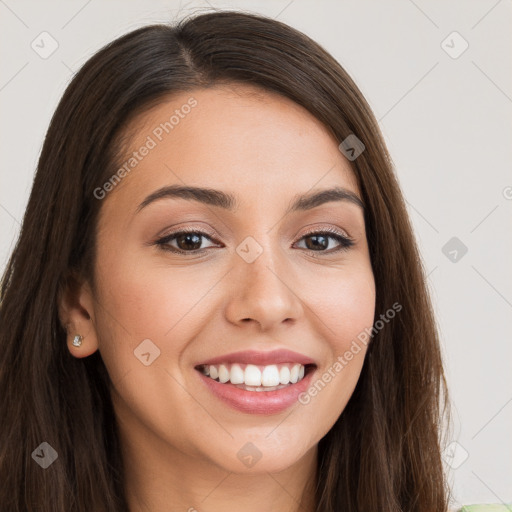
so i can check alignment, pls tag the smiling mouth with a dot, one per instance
(250, 377)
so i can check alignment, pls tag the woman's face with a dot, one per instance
(255, 277)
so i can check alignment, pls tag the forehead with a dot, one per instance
(239, 138)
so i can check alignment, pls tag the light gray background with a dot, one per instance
(447, 125)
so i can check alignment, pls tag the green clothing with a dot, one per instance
(487, 508)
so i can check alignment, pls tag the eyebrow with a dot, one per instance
(228, 201)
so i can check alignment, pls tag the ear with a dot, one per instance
(76, 314)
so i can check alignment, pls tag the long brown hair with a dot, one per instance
(384, 451)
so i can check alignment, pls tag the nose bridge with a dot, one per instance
(262, 267)
(262, 283)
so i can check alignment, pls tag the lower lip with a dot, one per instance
(258, 402)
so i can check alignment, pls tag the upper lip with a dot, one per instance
(260, 358)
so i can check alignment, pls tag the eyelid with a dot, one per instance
(188, 229)
(327, 229)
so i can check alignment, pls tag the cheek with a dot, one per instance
(351, 310)
(344, 302)
(345, 311)
(146, 300)
(153, 302)
(144, 322)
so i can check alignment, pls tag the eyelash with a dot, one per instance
(345, 241)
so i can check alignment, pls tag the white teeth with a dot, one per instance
(270, 376)
(256, 378)
(223, 374)
(294, 373)
(284, 375)
(252, 375)
(236, 374)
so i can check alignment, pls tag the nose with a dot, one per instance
(263, 292)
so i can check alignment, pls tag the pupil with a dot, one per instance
(324, 242)
(188, 240)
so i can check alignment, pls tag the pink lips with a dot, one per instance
(259, 402)
(261, 358)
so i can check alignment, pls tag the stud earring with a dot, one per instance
(77, 340)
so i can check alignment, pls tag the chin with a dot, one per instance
(261, 454)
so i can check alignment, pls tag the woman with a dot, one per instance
(216, 301)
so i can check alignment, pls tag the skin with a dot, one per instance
(179, 441)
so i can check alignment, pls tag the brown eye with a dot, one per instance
(186, 241)
(319, 241)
